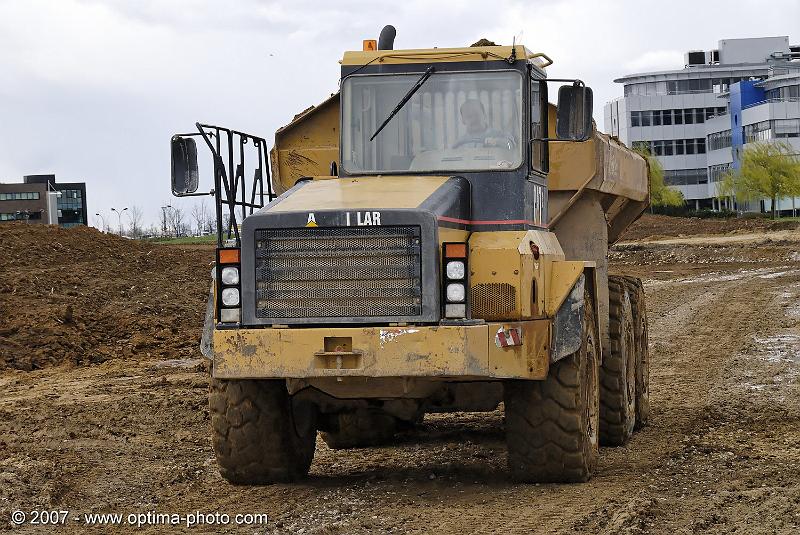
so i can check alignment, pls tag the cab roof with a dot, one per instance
(443, 55)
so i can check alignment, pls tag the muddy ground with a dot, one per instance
(130, 432)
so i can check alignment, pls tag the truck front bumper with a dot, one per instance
(445, 351)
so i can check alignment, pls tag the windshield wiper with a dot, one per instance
(406, 98)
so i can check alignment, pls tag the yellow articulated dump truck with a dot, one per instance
(432, 238)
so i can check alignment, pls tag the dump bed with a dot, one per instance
(308, 145)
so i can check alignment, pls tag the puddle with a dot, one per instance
(779, 348)
(779, 274)
(726, 277)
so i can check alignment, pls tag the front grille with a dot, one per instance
(493, 300)
(341, 272)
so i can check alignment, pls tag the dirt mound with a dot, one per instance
(654, 226)
(80, 296)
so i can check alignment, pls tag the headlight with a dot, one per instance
(230, 297)
(455, 269)
(455, 292)
(230, 275)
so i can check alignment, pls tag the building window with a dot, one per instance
(761, 131)
(672, 147)
(681, 87)
(785, 128)
(700, 143)
(685, 177)
(7, 217)
(717, 172)
(719, 140)
(20, 196)
(789, 93)
(670, 117)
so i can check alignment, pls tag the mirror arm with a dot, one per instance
(196, 194)
(574, 81)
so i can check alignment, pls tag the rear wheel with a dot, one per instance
(361, 429)
(258, 435)
(618, 372)
(639, 308)
(552, 425)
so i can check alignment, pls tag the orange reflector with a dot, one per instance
(229, 256)
(455, 250)
(370, 44)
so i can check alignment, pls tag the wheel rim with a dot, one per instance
(630, 371)
(593, 395)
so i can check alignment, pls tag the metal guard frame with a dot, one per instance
(230, 189)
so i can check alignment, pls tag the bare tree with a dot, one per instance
(136, 216)
(177, 222)
(200, 215)
(152, 231)
(210, 224)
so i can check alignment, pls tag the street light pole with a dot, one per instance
(164, 215)
(119, 217)
(103, 219)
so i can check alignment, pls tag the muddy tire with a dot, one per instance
(639, 308)
(258, 436)
(552, 425)
(618, 372)
(361, 429)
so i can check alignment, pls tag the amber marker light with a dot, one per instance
(455, 250)
(228, 256)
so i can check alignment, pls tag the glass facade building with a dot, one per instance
(673, 113)
(40, 199)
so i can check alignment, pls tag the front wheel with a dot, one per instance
(259, 435)
(552, 425)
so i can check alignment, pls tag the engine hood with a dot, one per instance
(362, 201)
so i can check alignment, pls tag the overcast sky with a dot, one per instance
(92, 90)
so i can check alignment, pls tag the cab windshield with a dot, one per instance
(464, 121)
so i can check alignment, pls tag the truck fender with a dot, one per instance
(568, 321)
(567, 324)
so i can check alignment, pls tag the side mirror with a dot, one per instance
(574, 113)
(184, 166)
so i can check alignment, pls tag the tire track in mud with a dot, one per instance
(699, 333)
(133, 437)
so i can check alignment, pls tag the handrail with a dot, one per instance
(771, 100)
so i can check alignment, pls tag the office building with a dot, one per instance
(40, 199)
(669, 112)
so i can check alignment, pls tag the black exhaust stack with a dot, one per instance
(386, 39)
